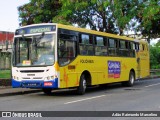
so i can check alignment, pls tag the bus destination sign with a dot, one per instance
(36, 29)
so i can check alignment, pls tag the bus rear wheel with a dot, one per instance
(47, 91)
(82, 85)
(131, 80)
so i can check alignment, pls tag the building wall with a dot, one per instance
(6, 36)
(5, 61)
(5, 57)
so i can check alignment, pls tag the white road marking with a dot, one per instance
(153, 85)
(84, 99)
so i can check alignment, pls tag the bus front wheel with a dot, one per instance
(131, 80)
(47, 91)
(82, 85)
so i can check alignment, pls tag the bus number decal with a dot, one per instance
(86, 61)
(114, 69)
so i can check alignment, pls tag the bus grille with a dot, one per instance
(37, 78)
(34, 78)
(31, 71)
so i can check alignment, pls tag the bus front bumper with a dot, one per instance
(35, 84)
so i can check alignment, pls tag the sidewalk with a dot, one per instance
(9, 91)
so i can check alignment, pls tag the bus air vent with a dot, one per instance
(31, 71)
(37, 78)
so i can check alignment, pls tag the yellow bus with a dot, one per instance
(52, 56)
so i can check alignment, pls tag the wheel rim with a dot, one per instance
(84, 84)
(132, 79)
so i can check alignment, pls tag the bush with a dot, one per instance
(155, 57)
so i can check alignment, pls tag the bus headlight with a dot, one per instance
(15, 78)
(50, 77)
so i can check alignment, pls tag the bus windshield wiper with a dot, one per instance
(37, 40)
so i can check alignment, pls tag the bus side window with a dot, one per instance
(66, 49)
(143, 47)
(100, 46)
(140, 47)
(86, 44)
(112, 44)
(123, 48)
(146, 47)
(131, 49)
(137, 47)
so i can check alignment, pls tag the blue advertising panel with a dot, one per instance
(114, 69)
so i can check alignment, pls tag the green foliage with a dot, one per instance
(155, 56)
(94, 14)
(150, 17)
(39, 11)
(113, 16)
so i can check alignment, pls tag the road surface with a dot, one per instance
(143, 96)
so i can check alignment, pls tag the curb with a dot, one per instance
(7, 90)
(151, 77)
(19, 91)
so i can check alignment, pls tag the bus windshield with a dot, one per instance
(35, 50)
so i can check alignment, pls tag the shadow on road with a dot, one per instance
(72, 92)
(89, 90)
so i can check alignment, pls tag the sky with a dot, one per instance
(9, 20)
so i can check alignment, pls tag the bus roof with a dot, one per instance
(83, 30)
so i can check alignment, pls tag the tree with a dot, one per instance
(38, 11)
(150, 18)
(138, 15)
(95, 14)
(155, 56)
(113, 16)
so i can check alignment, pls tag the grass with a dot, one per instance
(5, 74)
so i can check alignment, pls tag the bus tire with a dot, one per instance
(131, 80)
(47, 91)
(82, 85)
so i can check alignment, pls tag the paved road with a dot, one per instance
(144, 96)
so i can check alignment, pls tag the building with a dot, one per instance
(4, 35)
(5, 54)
